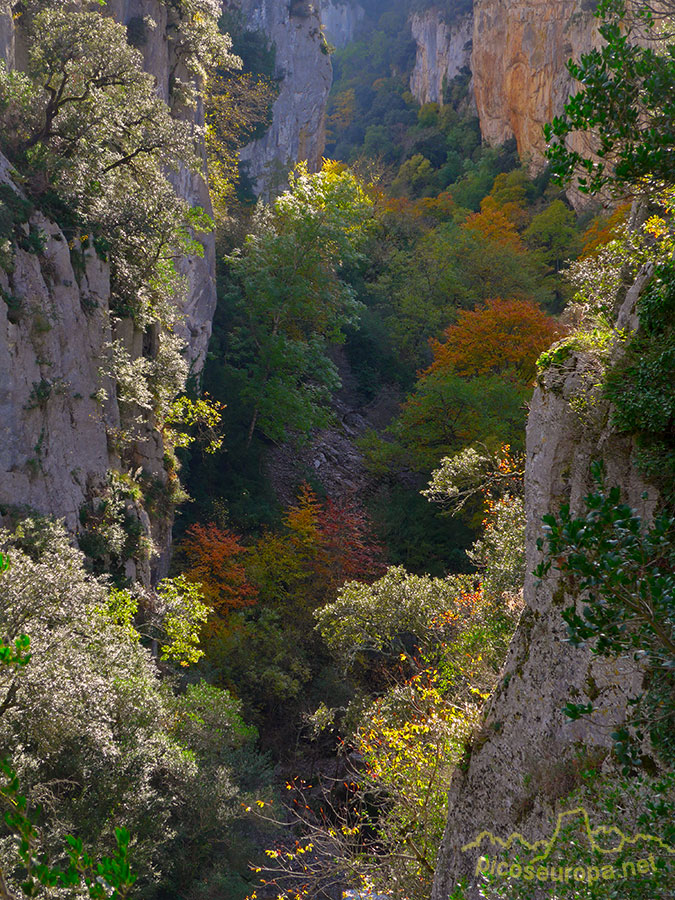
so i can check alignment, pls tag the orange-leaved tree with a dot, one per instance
(215, 559)
(503, 338)
(323, 545)
(497, 223)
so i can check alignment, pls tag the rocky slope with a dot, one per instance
(304, 71)
(525, 757)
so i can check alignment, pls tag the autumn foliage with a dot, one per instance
(323, 545)
(503, 338)
(497, 223)
(215, 559)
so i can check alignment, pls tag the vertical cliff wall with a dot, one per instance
(517, 51)
(443, 50)
(520, 48)
(340, 20)
(524, 758)
(304, 71)
(200, 298)
(60, 421)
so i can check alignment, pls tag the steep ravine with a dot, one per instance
(523, 759)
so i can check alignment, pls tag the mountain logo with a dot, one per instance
(540, 866)
(545, 846)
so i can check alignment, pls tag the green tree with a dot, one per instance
(93, 734)
(553, 233)
(291, 301)
(627, 101)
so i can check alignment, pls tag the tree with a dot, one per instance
(478, 382)
(236, 105)
(215, 560)
(447, 411)
(291, 301)
(494, 223)
(96, 146)
(94, 737)
(503, 338)
(627, 101)
(553, 233)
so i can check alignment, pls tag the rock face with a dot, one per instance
(443, 50)
(520, 48)
(60, 416)
(340, 20)
(524, 758)
(58, 410)
(200, 301)
(303, 66)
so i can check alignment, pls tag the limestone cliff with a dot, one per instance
(524, 759)
(304, 71)
(200, 303)
(60, 420)
(520, 48)
(443, 50)
(340, 21)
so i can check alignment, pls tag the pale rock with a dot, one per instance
(57, 434)
(443, 50)
(340, 20)
(6, 33)
(523, 760)
(298, 129)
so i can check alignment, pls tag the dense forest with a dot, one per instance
(278, 711)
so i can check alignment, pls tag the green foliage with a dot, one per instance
(553, 233)
(15, 211)
(623, 570)
(194, 420)
(183, 618)
(391, 613)
(446, 412)
(626, 101)
(97, 739)
(640, 384)
(109, 879)
(291, 302)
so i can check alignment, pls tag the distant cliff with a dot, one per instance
(443, 50)
(517, 51)
(520, 51)
(340, 20)
(304, 71)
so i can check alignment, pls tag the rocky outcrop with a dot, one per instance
(59, 415)
(147, 23)
(526, 755)
(520, 48)
(60, 425)
(340, 21)
(443, 50)
(303, 67)
(6, 32)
